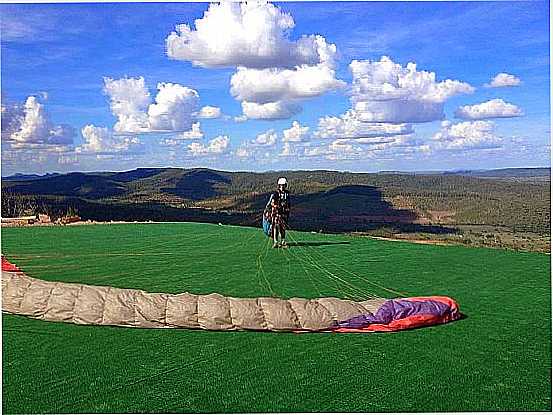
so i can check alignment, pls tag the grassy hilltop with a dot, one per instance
(496, 359)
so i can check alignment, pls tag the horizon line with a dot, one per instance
(277, 171)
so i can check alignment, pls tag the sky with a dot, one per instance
(257, 86)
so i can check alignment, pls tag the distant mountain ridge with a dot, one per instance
(146, 171)
(21, 176)
(429, 202)
(508, 172)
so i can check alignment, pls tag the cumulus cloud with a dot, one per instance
(174, 109)
(384, 91)
(399, 111)
(29, 125)
(219, 145)
(194, 133)
(295, 133)
(348, 125)
(269, 111)
(261, 148)
(275, 93)
(336, 150)
(386, 99)
(467, 135)
(390, 147)
(241, 118)
(268, 138)
(274, 73)
(102, 140)
(274, 84)
(495, 108)
(343, 150)
(253, 34)
(209, 112)
(12, 117)
(503, 79)
(129, 100)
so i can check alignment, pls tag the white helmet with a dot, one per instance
(282, 180)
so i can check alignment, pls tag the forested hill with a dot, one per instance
(536, 173)
(322, 200)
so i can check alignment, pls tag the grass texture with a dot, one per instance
(496, 359)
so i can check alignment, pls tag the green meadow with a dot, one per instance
(497, 358)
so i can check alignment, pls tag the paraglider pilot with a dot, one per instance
(279, 205)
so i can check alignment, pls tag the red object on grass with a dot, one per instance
(8, 266)
(403, 314)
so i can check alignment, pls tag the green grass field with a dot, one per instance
(496, 359)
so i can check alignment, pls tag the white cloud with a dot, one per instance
(262, 148)
(273, 72)
(377, 148)
(395, 144)
(274, 84)
(384, 91)
(219, 145)
(129, 99)
(269, 111)
(102, 140)
(209, 112)
(503, 79)
(194, 133)
(349, 126)
(253, 34)
(243, 152)
(316, 151)
(467, 135)
(275, 93)
(12, 117)
(175, 107)
(495, 108)
(343, 150)
(288, 150)
(336, 150)
(169, 142)
(399, 111)
(71, 159)
(392, 147)
(295, 133)
(29, 126)
(268, 138)
(240, 118)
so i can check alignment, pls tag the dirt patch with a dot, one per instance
(415, 241)
(77, 223)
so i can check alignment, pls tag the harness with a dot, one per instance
(276, 211)
(279, 203)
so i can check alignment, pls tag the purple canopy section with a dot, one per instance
(399, 309)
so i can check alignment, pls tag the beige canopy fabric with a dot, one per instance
(88, 304)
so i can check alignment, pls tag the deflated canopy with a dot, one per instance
(88, 304)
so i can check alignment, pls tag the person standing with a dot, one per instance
(279, 204)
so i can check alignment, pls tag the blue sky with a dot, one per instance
(60, 54)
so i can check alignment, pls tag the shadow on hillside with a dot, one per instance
(316, 243)
(91, 186)
(351, 208)
(198, 185)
